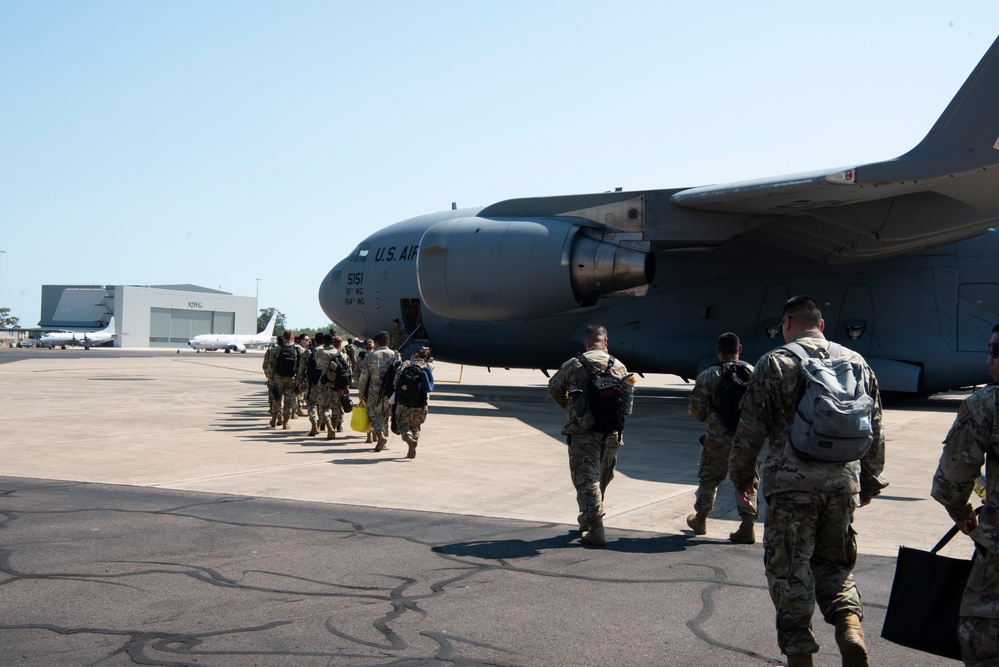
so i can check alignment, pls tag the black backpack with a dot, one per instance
(388, 380)
(734, 382)
(287, 361)
(605, 396)
(409, 389)
(339, 372)
(313, 372)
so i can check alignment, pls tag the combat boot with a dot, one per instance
(314, 430)
(284, 424)
(298, 412)
(382, 440)
(584, 525)
(800, 660)
(595, 535)
(408, 439)
(322, 425)
(746, 533)
(698, 523)
(330, 433)
(273, 421)
(850, 637)
(369, 439)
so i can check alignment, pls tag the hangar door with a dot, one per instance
(170, 327)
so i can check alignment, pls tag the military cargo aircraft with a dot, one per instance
(234, 342)
(899, 253)
(84, 339)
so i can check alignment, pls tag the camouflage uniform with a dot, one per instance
(809, 545)
(350, 351)
(286, 386)
(396, 334)
(716, 445)
(410, 419)
(309, 389)
(268, 355)
(328, 399)
(592, 456)
(376, 364)
(973, 441)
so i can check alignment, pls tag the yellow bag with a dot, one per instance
(359, 420)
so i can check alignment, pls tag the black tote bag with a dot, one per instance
(925, 600)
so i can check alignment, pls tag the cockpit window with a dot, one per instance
(361, 253)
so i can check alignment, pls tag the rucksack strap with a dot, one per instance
(589, 366)
(834, 349)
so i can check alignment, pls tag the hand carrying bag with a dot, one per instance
(359, 420)
(925, 599)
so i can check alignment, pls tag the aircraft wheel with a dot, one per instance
(243, 352)
(227, 350)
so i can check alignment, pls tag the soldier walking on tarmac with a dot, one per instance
(715, 401)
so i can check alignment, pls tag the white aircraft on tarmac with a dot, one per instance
(85, 339)
(238, 342)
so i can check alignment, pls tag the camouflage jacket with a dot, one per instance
(373, 369)
(768, 408)
(701, 403)
(303, 362)
(971, 443)
(268, 355)
(573, 376)
(271, 369)
(324, 356)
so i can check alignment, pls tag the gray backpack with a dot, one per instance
(833, 419)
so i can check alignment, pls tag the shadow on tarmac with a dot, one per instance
(507, 549)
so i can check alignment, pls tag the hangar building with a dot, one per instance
(149, 315)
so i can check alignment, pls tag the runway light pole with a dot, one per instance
(258, 293)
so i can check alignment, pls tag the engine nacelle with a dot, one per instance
(504, 269)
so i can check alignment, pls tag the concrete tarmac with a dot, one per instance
(149, 516)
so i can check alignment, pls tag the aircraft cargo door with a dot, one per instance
(978, 311)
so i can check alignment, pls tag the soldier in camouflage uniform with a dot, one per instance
(809, 545)
(268, 355)
(285, 385)
(369, 384)
(310, 386)
(350, 351)
(396, 334)
(716, 445)
(973, 441)
(328, 400)
(410, 418)
(592, 456)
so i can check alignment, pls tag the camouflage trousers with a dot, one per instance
(312, 402)
(379, 411)
(409, 420)
(288, 400)
(328, 406)
(592, 459)
(979, 639)
(809, 550)
(712, 469)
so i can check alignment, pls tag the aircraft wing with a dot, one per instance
(943, 190)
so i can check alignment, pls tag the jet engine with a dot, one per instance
(503, 269)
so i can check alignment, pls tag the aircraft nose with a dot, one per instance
(327, 291)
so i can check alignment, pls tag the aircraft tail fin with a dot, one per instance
(966, 135)
(110, 327)
(269, 329)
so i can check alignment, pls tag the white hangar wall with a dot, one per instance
(148, 316)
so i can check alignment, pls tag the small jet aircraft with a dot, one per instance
(886, 248)
(237, 342)
(85, 339)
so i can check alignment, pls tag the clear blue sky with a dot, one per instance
(219, 142)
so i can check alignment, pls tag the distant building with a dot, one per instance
(150, 315)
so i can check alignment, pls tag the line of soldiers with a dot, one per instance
(306, 373)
